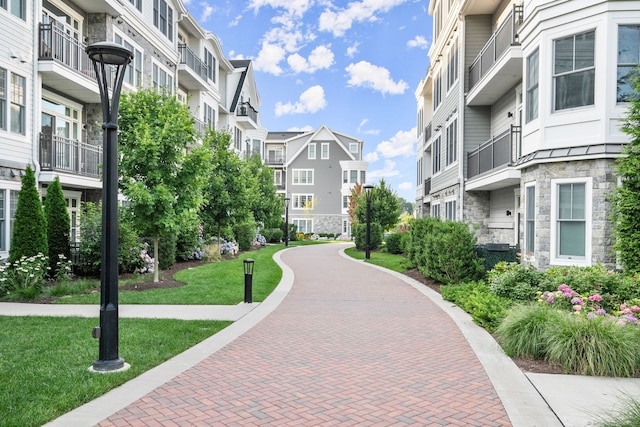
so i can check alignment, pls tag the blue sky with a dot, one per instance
(352, 66)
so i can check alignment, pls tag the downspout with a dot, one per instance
(36, 89)
(461, 109)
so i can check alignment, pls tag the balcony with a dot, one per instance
(275, 159)
(192, 71)
(246, 114)
(426, 187)
(65, 66)
(70, 156)
(498, 66)
(489, 166)
(427, 134)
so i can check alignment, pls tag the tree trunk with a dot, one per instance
(156, 263)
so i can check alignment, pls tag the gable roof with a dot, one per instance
(313, 135)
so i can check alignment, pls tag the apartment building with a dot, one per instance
(519, 119)
(50, 113)
(316, 170)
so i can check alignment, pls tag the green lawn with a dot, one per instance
(393, 262)
(44, 361)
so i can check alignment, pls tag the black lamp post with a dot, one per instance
(367, 237)
(108, 57)
(286, 221)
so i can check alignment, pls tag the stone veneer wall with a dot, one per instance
(325, 223)
(476, 212)
(604, 183)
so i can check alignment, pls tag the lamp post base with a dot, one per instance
(109, 366)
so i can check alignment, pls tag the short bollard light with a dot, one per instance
(248, 280)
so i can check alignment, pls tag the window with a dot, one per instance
(303, 176)
(209, 116)
(345, 226)
(210, 61)
(437, 91)
(277, 177)
(302, 201)
(133, 72)
(345, 202)
(436, 155)
(303, 225)
(237, 138)
(162, 79)
(16, 7)
(353, 147)
(628, 59)
(451, 154)
(450, 210)
(18, 96)
(163, 18)
(137, 4)
(571, 228)
(435, 210)
(275, 156)
(311, 151)
(574, 71)
(345, 177)
(3, 99)
(363, 176)
(325, 151)
(353, 176)
(530, 219)
(533, 63)
(452, 67)
(13, 207)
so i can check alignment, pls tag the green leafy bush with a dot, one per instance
(418, 232)
(359, 232)
(522, 333)
(515, 281)
(188, 242)
(89, 253)
(593, 346)
(273, 235)
(486, 308)
(245, 234)
(396, 243)
(449, 254)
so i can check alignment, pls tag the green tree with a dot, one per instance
(385, 207)
(162, 172)
(626, 200)
(58, 229)
(30, 225)
(266, 206)
(225, 193)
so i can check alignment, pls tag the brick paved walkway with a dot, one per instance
(349, 345)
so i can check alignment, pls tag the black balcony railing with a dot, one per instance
(500, 41)
(188, 57)
(427, 133)
(499, 151)
(246, 110)
(68, 155)
(55, 44)
(427, 186)
(274, 159)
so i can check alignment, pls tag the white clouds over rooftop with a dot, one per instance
(365, 74)
(320, 58)
(400, 144)
(311, 100)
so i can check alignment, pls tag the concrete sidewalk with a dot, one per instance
(317, 337)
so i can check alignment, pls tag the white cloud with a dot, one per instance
(292, 7)
(307, 128)
(269, 58)
(353, 49)
(311, 101)
(400, 144)
(321, 57)
(371, 157)
(366, 74)
(342, 20)
(368, 131)
(388, 170)
(419, 42)
(406, 185)
(288, 39)
(235, 21)
(206, 13)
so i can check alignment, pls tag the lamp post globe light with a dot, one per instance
(367, 238)
(109, 60)
(286, 221)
